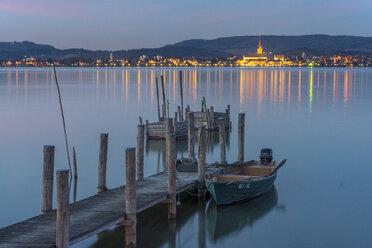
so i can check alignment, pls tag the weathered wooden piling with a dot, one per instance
(47, 186)
(211, 118)
(147, 129)
(190, 134)
(140, 120)
(140, 151)
(221, 131)
(102, 163)
(241, 123)
(179, 113)
(171, 164)
(202, 140)
(63, 216)
(130, 198)
(168, 126)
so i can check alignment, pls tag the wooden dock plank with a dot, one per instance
(93, 214)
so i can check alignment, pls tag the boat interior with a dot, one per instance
(234, 172)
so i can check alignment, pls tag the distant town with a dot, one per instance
(258, 59)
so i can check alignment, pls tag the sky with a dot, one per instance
(130, 24)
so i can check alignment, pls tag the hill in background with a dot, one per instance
(316, 45)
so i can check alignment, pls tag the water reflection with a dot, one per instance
(223, 221)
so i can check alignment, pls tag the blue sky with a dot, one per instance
(123, 24)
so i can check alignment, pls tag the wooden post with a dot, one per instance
(147, 129)
(181, 89)
(171, 162)
(140, 152)
(241, 122)
(212, 117)
(63, 215)
(102, 163)
(175, 123)
(163, 88)
(202, 105)
(221, 131)
(179, 113)
(157, 97)
(168, 126)
(163, 110)
(74, 162)
(130, 198)
(202, 140)
(190, 134)
(48, 171)
(140, 120)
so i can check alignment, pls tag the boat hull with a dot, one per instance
(229, 192)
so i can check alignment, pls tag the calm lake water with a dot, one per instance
(319, 119)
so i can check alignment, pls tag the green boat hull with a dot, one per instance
(229, 192)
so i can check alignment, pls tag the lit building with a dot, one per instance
(255, 59)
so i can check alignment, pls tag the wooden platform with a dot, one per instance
(94, 214)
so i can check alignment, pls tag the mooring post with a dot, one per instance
(63, 215)
(212, 117)
(221, 131)
(147, 129)
(171, 163)
(140, 152)
(130, 198)
(102, 163)
(179, 113)
(48, 171)
(241, 123)
(168, 126)
(202, 140)
(190, 134)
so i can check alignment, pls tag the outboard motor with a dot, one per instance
(266, 156)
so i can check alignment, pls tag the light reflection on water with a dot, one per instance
(317, 118)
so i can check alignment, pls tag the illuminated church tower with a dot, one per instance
(259, 48)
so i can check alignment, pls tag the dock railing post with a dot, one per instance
(221, 131)
(202, 140)
(102, 163)
(190, 134)
(130, 198)
(140, 152)
(171, 163)
(241, 123)
(168, 126)
(63, 215)
(47, 186)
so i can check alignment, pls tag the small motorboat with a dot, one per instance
(236, 182)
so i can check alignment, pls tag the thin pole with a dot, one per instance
(157, 97)
(74, 162)
(102, 163)
(140, 154)
(162, 87)
(63, 120)
(181, 89)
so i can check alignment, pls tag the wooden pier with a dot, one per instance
(94, 214)
(70, 223)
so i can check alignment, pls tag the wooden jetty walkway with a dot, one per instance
(94, 214)
(70, 223)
